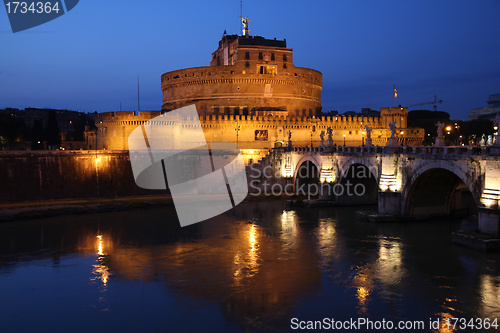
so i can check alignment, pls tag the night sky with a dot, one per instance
(89, 59)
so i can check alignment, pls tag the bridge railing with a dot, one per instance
(412, 150)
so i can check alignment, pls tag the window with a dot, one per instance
(272, 56)
(284, 57)
(247, 55)
(284, 65)
(260, 55)
(267, 70)
(247, 64)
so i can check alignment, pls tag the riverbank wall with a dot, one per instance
(27, 176)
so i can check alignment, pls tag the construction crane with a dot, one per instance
(435, 102)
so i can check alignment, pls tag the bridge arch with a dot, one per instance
(307, 171)
(345, 164)
(439, 188)
(359, 178)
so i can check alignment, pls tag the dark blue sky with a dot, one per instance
(89, 59)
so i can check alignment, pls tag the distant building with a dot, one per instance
(487, 112)
(71, 125)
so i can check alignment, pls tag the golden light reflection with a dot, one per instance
(445, 323)
(246, 259)
(252, 237)
(364, 287)
(100, 271)
(99, 245)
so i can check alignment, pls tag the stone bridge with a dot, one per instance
(407, 182)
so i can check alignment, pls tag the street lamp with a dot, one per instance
(237, 130)
(363, 139)
(344, 140)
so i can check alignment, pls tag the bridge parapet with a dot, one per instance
(412, 180)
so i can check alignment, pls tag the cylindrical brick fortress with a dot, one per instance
(247, 76)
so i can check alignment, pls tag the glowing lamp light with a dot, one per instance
(495, 128)
(287, 172)
(389, 182)
(326, 176)
(448, 128)
(490, 197)
(98, 160)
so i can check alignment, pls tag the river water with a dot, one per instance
(254, 268)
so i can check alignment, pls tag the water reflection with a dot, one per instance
(288, 232)
(101, 271)
(390, 269)
(258, 266)
(490, 296)
(246, 261)
(364, 285)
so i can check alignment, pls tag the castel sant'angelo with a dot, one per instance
(252, 94)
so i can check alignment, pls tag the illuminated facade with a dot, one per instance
(252, 94)
(248, 75)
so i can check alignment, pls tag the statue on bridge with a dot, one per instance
(496, 122)
(393, 141)
(368, 136)
(289, 133)
(322, 136)
(440, 137)
(392, 126)
(329, 143)
(368, 132)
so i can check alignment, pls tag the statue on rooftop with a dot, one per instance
(244, 21)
